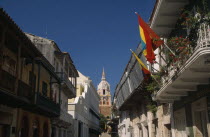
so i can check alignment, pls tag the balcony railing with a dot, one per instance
(7, 81)
(46, 104)
(182, 74)
(66, 83)
(130, 81)
(202, 43)
(24, 90)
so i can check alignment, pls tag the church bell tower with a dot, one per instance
(105, 96)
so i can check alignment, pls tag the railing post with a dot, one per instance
(33, 85)
(38, 84)
(18, 68)
(59, 93)
(205, 35)
(51, 97)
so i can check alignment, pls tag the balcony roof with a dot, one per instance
(165, 15)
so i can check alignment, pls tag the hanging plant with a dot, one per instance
(150, 104)
(154, 83)
(152, 107)
(181, 47)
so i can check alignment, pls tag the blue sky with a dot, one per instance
(96, 33)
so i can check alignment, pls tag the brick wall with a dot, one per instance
(105, 110)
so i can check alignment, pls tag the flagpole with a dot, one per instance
(155, 79)
(169, 49)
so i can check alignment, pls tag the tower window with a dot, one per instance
(103, 91)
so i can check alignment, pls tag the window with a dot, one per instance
(104, 91)
(44, 88)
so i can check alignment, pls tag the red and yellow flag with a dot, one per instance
(149, 40)
(145, 71)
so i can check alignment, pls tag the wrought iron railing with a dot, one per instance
(203, 41)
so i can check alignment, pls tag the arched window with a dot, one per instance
(104, 92)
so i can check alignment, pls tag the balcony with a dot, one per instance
(7, 81)
(188, 73)
(67, 86)
(129, 89)
(66, 117)
(25, 90)
(47, 106)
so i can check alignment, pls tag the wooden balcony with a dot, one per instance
(25, 90)
(9, 95)
(47, 106)
(67, 85)
(7, 81)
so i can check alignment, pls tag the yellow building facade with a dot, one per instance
(27, 102)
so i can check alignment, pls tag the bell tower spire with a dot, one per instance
(105, 96)
(103, 75)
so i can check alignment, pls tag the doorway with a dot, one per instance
(25, 127)
(199, 110)
(180, 123)
(4, 130)
(36, 128)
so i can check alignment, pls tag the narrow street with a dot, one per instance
(105, 68)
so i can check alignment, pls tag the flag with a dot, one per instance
(145, 71)
(149, 40)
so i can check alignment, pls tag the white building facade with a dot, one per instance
(85, 109)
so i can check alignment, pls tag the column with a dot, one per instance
(18, 68)
(189, 121)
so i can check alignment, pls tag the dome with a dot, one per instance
(104, 85)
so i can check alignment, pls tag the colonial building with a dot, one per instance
(26, 78)
(67, 73)
(132, 100)
(105, 96)
(85, 109)
(180, 93)
(185, 85)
